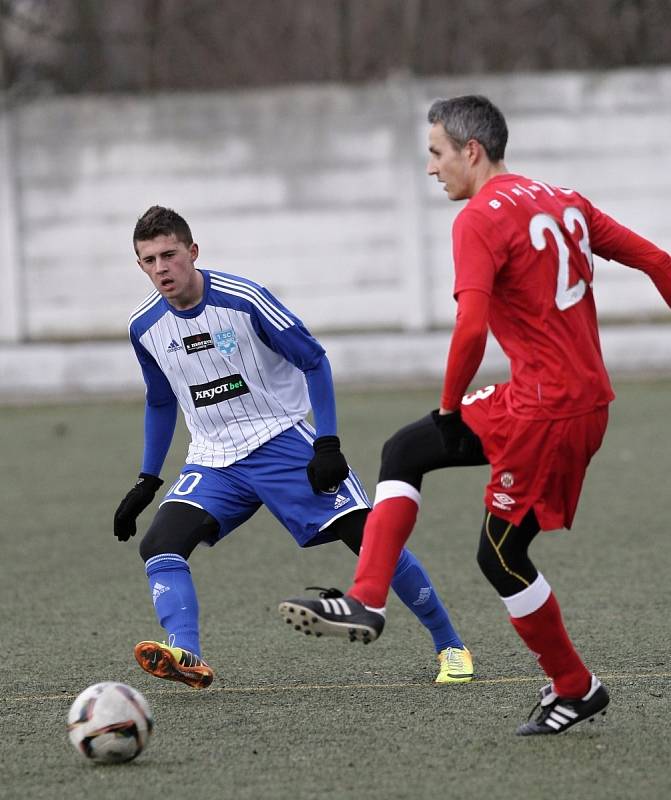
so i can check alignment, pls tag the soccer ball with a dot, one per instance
(109, 723)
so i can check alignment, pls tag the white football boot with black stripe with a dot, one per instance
(333, 614)
(558, 714)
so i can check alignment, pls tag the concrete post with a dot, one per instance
(410, 206)
(11, 301)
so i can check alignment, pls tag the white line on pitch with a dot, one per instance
(341, 686)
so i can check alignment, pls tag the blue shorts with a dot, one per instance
(272, 475)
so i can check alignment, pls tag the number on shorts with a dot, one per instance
(480, 394)
(566, 296)
(186, 483)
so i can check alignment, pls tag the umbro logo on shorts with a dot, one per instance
(501, 500)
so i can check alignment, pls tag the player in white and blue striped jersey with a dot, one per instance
(245, 372)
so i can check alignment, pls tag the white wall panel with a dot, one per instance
(318, 192)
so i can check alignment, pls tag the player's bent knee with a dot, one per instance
(177, 528)
(392, 450)
(398, 457)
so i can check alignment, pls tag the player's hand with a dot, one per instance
(457, 437)
(328, 467)
(133, 504)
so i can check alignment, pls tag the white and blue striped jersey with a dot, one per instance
(235, 363)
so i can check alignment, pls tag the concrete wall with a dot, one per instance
(317, 192)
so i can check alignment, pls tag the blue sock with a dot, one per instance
(175, 600)
(413, 586)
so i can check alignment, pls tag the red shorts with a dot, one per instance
(535, 464)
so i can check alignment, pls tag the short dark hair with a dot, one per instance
(160, 221)
(472, 116)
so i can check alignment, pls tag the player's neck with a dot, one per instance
(490, 170)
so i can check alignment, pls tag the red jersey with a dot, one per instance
(529, 246)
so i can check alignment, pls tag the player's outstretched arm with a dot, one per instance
(609, 239)
(328, 468)
(133, 504)
(467, 347)
(466, 351)
(159, 427)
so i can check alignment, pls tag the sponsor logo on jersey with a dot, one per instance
(198, 342)
(173, 347)
(503, 501)
(507, 480)
(207, 394)
(226, 341)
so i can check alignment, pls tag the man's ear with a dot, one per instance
(193, 251)
(475, 151)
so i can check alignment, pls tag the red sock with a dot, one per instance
(388, 527)
(544, 634)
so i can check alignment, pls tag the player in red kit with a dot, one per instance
(523, 269)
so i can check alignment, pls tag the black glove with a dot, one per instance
(328, 466)
(458, 438)
(133, 504)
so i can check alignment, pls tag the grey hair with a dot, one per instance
(472, 117)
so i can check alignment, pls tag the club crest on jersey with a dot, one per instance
(226, 341)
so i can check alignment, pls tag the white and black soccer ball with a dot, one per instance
(110, 723)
